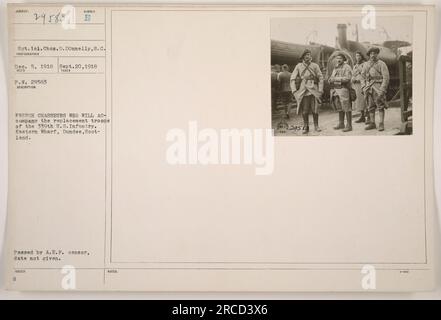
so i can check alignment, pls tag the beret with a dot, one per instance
(304, 53)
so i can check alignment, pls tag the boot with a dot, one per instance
(315, 116)
(381, 124)
(305, 123)
(341, 121)
(361, 119)
(288, 110)
(368, 118)
(371, 124)
(348, 122)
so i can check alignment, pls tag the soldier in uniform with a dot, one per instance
(375, 80)
(284, 79)
(308, 94)
(360, 102)
(340, 98)
(274, 87)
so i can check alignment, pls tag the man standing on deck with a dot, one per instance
(308, 94)
(374, 83)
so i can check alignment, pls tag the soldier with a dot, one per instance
(375, 80)
(284, 79)
(360, 102)
(310, 91)
(273, 88)
(339, 95)
(274, 85)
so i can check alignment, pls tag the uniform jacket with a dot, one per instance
(357, 77)
(311, 82)
(375, 76)
(284, 78)
(340, 79)
(356, 73)
(274, 82)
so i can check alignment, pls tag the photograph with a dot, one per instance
(339, 77)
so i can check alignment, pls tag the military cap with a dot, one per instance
(340, 54)
(304, 53)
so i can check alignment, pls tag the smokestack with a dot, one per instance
(342, 38)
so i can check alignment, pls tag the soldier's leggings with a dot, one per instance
(308, 105)
(375, 101)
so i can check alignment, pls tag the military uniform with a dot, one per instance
(340, 81)
(274, 85)
(308, 95)
(284, 79)
(374, 83)
(360, 102)
(340, 78)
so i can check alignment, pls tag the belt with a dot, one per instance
(376, 81)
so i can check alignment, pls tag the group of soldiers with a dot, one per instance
(362, 87)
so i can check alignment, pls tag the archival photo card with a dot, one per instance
(341, 76)
(150, 150)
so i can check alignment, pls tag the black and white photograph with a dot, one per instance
(147, 153)
(341, 76)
